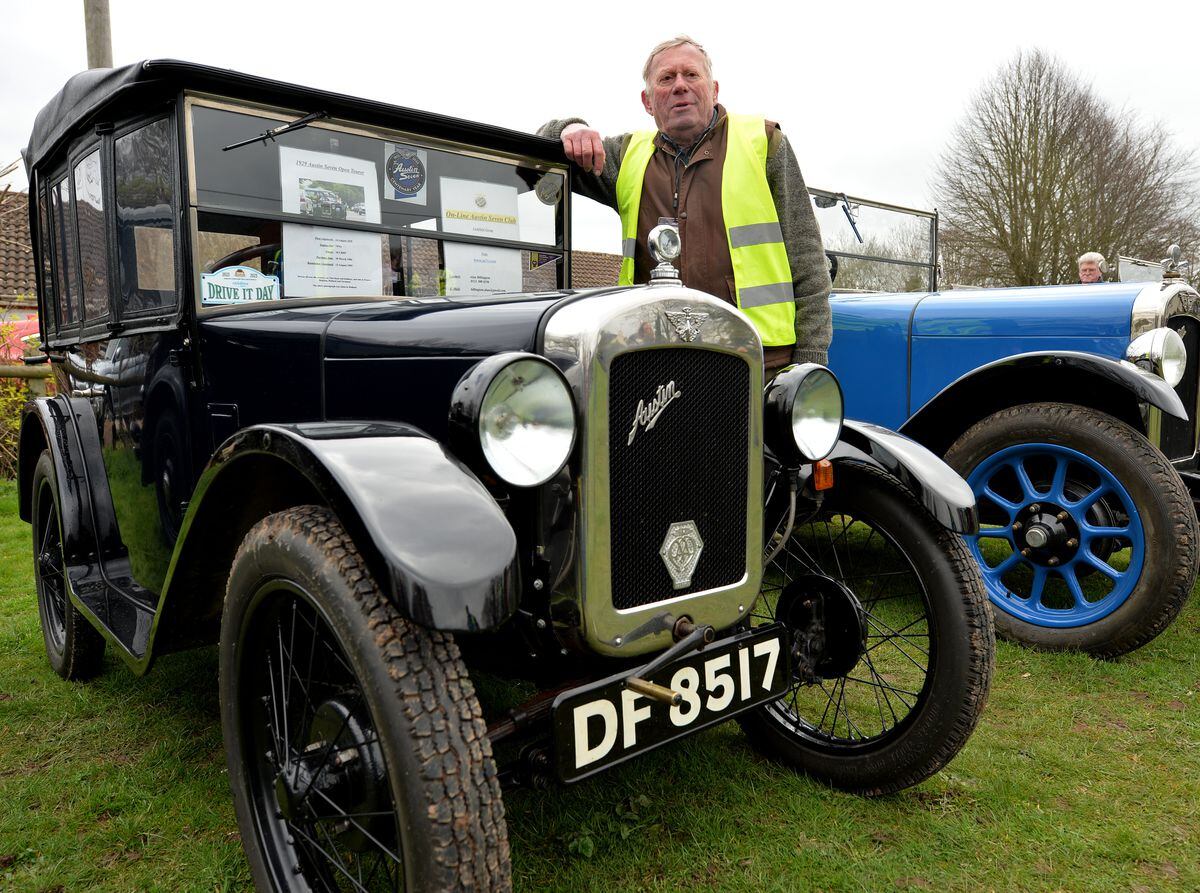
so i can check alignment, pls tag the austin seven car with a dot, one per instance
(372, 456)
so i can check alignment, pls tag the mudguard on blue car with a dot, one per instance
(1143, 386)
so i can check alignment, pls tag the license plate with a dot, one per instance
(605, 723)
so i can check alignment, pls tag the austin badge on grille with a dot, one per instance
(686, 322)
(646, 415)
(680, 552)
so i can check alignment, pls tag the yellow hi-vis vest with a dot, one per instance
(762, 277)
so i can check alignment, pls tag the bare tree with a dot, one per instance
(1042, 169)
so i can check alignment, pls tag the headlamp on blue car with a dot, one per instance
(1160, 351)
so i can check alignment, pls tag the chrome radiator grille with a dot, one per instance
(685, 463)
(1178, 440)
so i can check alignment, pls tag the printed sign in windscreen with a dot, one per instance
(406, 170)
(488, 210)
(320, 261)
(328, 187)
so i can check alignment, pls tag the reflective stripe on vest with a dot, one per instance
(761, 274)
(629, 196)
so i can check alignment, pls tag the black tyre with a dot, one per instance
(357, 753)
(1089, 536)
(172, 473)
(73, 646)
(896, 694)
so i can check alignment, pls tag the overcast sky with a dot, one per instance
(868, 92)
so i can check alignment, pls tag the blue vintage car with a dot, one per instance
(1071, 411)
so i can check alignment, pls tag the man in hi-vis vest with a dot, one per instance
(734, 188)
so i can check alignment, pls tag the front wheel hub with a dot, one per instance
(828, 627)
(338, 778)
(47, 564)
(1047, 534)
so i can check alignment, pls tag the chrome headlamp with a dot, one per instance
(514, 412)
(802, 419)
(1160, 351)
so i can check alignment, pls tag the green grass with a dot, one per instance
(1082, 776)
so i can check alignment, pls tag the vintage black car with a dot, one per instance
(363, 454)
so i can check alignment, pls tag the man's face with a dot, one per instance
(680, 95)
(1089, 271)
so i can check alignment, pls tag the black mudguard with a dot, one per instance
(443, 548)
(66, 426)
(934, 483)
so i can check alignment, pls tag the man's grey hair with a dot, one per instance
(681, 40)
(1092, 257)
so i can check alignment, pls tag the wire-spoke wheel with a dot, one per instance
(1088, 535)
(73, 647)
(892, 639)
(357, 752)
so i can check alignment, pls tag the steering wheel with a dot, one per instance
(242, 255)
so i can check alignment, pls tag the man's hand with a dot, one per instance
(584, 146)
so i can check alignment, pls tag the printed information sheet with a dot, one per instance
(320, 261)
(481, 270)
(328, 187)
(488, 210)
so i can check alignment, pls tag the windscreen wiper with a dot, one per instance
(850, 216)
(828, 201)
(279, 131)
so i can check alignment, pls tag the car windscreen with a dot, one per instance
(334, 210)
(878, 247)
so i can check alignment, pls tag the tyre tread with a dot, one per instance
(980, 629)
(1165, 604)
(465, 811)
(875, 776)
(82, 657)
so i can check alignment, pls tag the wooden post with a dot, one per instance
(99, 34)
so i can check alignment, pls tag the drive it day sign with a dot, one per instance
(238, 285)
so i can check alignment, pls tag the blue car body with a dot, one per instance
(893, 353)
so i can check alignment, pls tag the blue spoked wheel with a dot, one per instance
(1088, 536)
(1062, 544)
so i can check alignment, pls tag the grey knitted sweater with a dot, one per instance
(801, 234)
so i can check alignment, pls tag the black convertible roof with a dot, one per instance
(107, 93)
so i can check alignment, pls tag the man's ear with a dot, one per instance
(646, 104)
(716, 90)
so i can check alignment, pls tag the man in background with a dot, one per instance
(1091, 267)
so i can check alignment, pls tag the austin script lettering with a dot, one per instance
(647, 413)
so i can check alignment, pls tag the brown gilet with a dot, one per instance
(691, 194)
